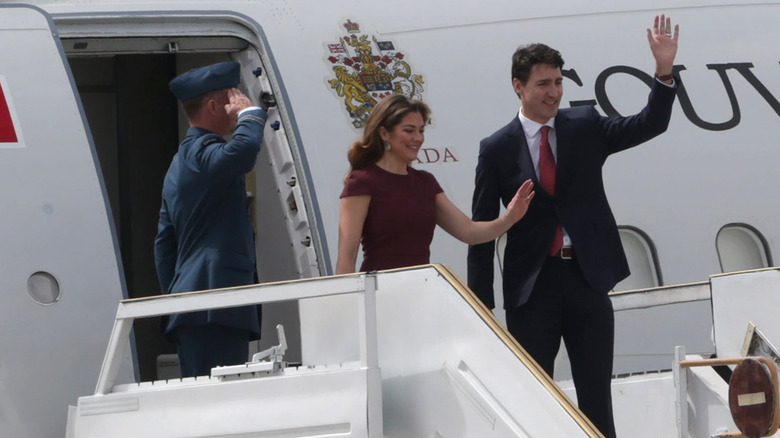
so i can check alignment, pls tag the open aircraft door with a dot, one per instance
(60, 274)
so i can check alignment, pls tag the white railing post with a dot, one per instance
(681, 385)
(367, 322)
(113, 359)
(367, 327)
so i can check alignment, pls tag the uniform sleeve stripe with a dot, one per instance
(257, 119)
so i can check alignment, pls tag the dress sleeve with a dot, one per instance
(434, 185)
(358, 184)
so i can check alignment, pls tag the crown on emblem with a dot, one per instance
(351, 27)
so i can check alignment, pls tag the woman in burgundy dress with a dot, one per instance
(393, 208)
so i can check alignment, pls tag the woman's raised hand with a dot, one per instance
(519, 203)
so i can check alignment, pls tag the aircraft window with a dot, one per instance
(642, 260)
(741, 247)
(43, 288)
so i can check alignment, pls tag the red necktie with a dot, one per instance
(547, 181)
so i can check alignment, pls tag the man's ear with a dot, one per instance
(211, 106)
(518, 86)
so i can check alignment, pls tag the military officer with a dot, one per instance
(205, 238)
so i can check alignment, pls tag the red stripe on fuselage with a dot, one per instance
(7, 131)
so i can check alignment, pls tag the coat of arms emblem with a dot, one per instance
(367, 70)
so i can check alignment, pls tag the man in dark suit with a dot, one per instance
(565, 255)
(205, 237)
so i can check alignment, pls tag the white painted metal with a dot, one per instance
(643, 404)
(645, 338)
(344, 400)
(234, 297)
(315, 402)
(660, 296)
(681, 387)
(740, 298)
(54, 220)
(275, 353)
(286, 171)
(650, 323)
(368, 343)
(444, 369)
(708, 402)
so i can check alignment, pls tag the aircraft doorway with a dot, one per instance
(134, 124)
(136, 127)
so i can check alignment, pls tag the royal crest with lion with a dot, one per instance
(366, 70)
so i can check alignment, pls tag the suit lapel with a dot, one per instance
(524, 161)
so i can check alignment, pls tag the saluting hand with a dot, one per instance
(237, 101)
(518, 206)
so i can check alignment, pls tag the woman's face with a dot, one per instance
(406, 138)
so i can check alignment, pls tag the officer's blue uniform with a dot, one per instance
(205, 238)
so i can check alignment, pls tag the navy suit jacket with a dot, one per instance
(205, 238)
(584, 141)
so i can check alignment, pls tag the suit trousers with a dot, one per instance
(203, 347)
(563, 305)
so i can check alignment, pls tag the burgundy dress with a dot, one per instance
(401, 216)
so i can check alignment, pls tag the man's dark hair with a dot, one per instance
(526, 57)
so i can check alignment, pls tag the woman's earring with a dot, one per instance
(387, 146)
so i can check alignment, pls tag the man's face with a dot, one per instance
(542, 94)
